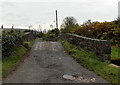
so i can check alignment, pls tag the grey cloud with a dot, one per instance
(26, 13)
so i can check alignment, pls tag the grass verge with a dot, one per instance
(91, 62)
(11, 62)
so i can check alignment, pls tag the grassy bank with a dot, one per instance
(114, 53)
(91, 62)
(11, 62)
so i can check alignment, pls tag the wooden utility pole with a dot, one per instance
(12, 26)
(56, 20)
(2, 27)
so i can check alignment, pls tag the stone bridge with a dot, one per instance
(102, 48)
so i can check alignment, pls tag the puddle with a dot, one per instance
(78, 78)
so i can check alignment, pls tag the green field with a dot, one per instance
(91, 62)
(115, 50)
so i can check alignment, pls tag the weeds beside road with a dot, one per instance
(10, 63)
(91, 62)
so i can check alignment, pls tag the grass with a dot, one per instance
(114, 53)
(0, 66)
(91, 62)
(11, 62)
(28, 45)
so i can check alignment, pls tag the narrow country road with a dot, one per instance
(47, 63)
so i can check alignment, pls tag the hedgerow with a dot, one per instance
(10, 40)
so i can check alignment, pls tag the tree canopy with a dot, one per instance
(68, 23)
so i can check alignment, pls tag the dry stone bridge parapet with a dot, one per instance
(102, 48)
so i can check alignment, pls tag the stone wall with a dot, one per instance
(28, 36)
(102, 48)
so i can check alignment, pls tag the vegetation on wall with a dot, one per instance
(13, 50)
(99, 30)
(10, 39)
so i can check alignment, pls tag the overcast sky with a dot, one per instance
(33, 12)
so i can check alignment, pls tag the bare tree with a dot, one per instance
(69, 21)
(88, 22)
(51, 26)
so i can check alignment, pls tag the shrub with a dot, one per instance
(50, 35)
(10, 39)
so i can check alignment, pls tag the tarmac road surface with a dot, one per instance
(49, 63)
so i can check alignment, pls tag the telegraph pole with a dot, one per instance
(2, 27)
(56, 20)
